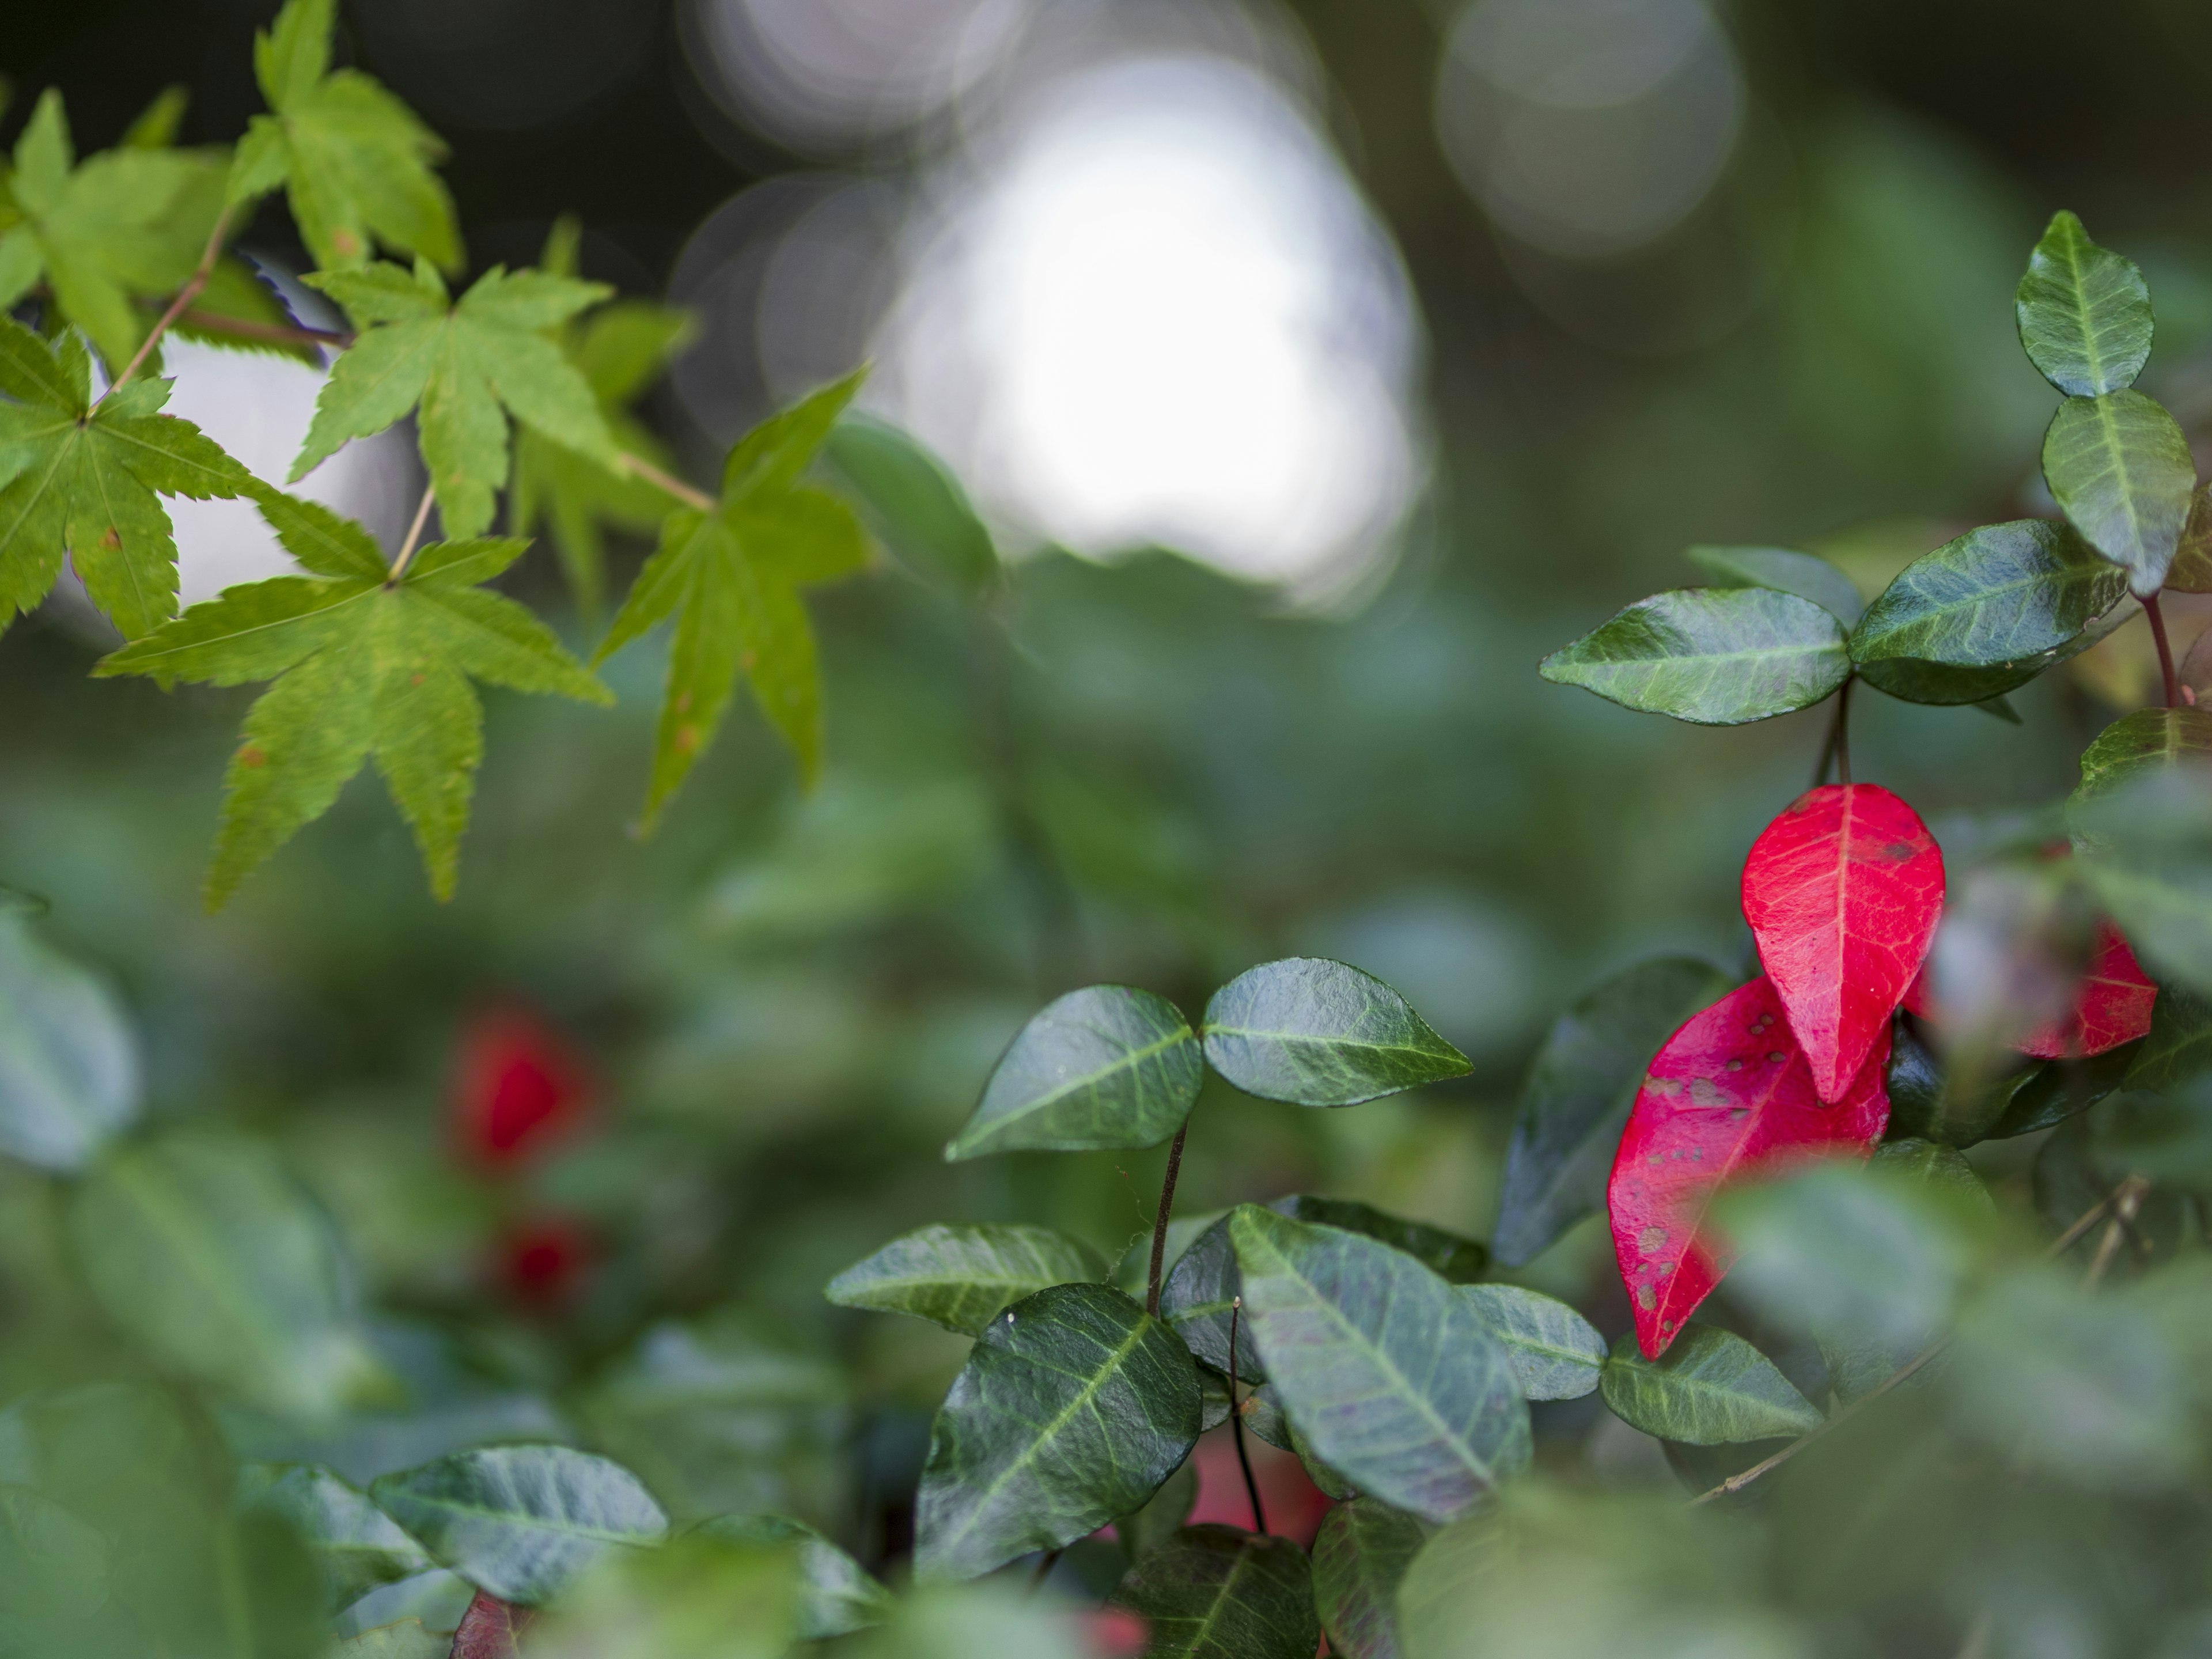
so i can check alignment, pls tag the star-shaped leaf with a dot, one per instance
(130, 220)
(365, 667)
(87, 482)
(353, 160)
(469, 365)
(732, 577)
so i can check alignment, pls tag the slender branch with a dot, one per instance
(1046, 1562)
(414, 535)
(1844, 730)
(638, 466)
(1236, 1423)
(1160, 1219)
(2164, 651)
(185, 296)
(2127, 1199)
(248, 328)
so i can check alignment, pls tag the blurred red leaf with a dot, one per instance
(1115, 1633)
(518, 1086)
(1295, 1505)
(1842, 892)
(541, 1261)
(489, 1629)
(1729, 1095)
(2113, 1005)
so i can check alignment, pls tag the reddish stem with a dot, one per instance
(2164, 651)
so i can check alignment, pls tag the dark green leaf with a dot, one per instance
(963, 1275)
(2141, 745)
(207, 1253)
(1995, 598)
(1710, 1388)
(1941, 685)
(1926, 1100)
(1142, 1531)
(1786, 571)
(2056, 1089)
(1458, 1261)
(914, 503)
(1261, 1412)
(1213, 1592)
(2191, 569)
(1196, 1297)
(2179, 1046)
(836, 1594)
(1074, 1407)
(355, 1545)
(1317, 1033)
(521, 1522)
(1361, 1554)
(2084, 313)
(1711, 656)
(69, 1062)
(1392, 1376)
(1108, 1066)
(1578, 1093)
(2119, 468)
(1556, 1353)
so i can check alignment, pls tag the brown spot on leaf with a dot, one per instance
(250, 755)
(345, 241)
(1644, 1299)
(1703, 1091)
(1650, 1239)
(687, 736)
(110, 541)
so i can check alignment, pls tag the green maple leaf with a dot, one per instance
(88, 483)
(732, 577)
(353, 160)
(130, 222)
(366, 667)
(469, 365)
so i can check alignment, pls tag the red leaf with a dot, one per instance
(1729, 1095)
(541, 1261)
(489, 1629)
(518, 1086)
(2113, 1005)
(1842, 892)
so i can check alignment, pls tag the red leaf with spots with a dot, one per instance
(1842, 892)
(489, 1629)
(1729, 1095)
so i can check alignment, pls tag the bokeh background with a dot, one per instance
(1320, 366)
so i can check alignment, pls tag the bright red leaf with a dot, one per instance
(1729, 1095)
(1842, 892)
(518, 1086)
(489, 1629)
(2113, 1005)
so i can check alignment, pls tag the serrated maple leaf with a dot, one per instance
(130, 220)
(1843, 891)
(88, 483)
(353, 160)
(731, 576)
(469, 364)
(365, 666)
(1730, 1094)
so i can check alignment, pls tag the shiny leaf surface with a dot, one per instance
(1785, 571)
(1556, 1352)
(962, 1276)
(2120, 470)
(1710, 1389)
(1318, 1033)
(1105, 1067)
(1710, 656)
(2084, 312)
(1996, 597)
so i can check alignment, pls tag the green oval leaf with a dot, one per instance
(207, 1254)
(1359, 1557)
(1109, 1065)
(2141, 745)
(69, 1062)
(836, 1594)
(1317, 1033)
(1995, 598)
(1577, 1099)
(521, 1522)
(1213, 1592)
(1785, 571)
(1709, 1388)
(1074, 1407)
(1710, 656)
(963, 1275)
(1195, 1299)
(914, 503)
(2119, 468)
(1391, 1377)
(2084, 312)
(356, 1546)
(1556, 1353)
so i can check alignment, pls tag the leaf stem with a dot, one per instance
(248, 328)
(185, 296)
(413, 536)
(2164, 651)
(2127, 1198)
(1046, 1562)
(1236, 1423)
(1843, 740)
(1160, 1220)
(638, 466)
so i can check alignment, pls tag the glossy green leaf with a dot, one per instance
(1556, 1353)
(207, 1254)
(1318, 1033)
(1996, 597)
(963, 1275)
(2056, 1089)
(88, 483)
(1212, 1592)
(2141, 746)
(1710, 1388)
(732, 579)
(1359, 1557)
(1785, 571)
(702, 1596)
(355, 161)
(1457, 1260)
(1109, 1065)
(1710, 656)
(2084, 313)
(913, 502)
(355, 1545)
(68, 1061)
(1074, 1407)
(1392, 1376)
(2179, 1047)
(1577, 1099)
(365, 668)
(2120, 471)
(521, 1522)
(1142, 1531)
(1942, 685)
